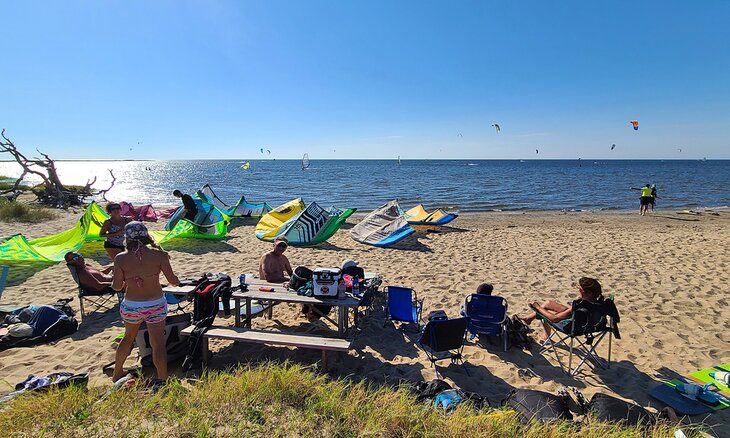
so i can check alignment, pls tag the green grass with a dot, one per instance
(13, 211)
(270, 400)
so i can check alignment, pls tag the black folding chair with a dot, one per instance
(444, 339)
(589, 324)
(101, 300)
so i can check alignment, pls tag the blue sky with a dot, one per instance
(366, 79)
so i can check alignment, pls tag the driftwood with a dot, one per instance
(53, 191)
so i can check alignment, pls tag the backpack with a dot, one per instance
(537, 405)
(518, 333)
(205, 308)
(427, 390)
(611, 409)
(437, 315)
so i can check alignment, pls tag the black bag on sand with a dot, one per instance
(538, 406)
(605, 408)
(428, 390)
(518, 333)
(437, 315)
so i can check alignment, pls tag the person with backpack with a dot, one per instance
(137, 271)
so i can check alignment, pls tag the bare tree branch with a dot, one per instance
(105, 191)
(54, 191)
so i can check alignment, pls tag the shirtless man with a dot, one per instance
(138, 268)
(274, 266)
(89, 276)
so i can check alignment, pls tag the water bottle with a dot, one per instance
(242, 281)
(355, 286)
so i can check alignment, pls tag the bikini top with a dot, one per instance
(116, 240)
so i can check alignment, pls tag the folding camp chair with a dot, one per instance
(100, 299)
(403, 305)
(444, 339)
(488, 316)
(585, 329)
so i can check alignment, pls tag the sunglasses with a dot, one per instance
(115, 208)
(76, 257)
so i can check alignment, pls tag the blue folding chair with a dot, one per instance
(488, 316)
(403, 305)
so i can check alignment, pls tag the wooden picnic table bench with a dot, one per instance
(242, 334)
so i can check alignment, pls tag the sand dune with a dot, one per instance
(669, 277)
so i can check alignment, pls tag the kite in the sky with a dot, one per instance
(262, 150)
(635, 124)
(496, 127)
(680, 150)
(613, 146)
(537, 151)
(459, 135)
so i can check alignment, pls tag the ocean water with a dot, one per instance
(464, 185)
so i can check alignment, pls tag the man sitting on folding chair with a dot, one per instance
(89, 277)
(94, 285)
(590, 316)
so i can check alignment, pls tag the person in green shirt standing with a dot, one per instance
(646, 198)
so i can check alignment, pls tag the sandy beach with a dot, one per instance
(669, 275)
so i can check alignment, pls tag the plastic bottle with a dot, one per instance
(355, 286)
(242, 281)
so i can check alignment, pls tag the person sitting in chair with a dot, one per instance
(274, 266)
(589, 289)
(89, 277)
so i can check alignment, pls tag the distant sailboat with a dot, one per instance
(399, 160)
(305, 162)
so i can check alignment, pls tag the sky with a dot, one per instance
(366, 79)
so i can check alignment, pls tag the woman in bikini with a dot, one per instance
(113, 230)
(589, 289)
(137, 270)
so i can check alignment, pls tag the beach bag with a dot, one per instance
(518, 333)
(300, 277)
(538, 406)
(427, 390)
(205, 309)
(175, 344)
(605, 408)
(437, 315)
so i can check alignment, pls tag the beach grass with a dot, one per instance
(271, 400)
(14, 211)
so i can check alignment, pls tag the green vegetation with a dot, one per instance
(13, 211)
(269, 400)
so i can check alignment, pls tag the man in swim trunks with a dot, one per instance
(137, 270)
(645, 199)
(89, 276)
(191, 209)
(274, 266)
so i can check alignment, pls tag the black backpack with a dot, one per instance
(205, 308)
(605, 408)
(538, 406)
(518, 333)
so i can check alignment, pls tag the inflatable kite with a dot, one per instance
(240, 209)
(302, 225)
(419, 216)
(383, 227)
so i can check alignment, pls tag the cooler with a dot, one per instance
(325, 281)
